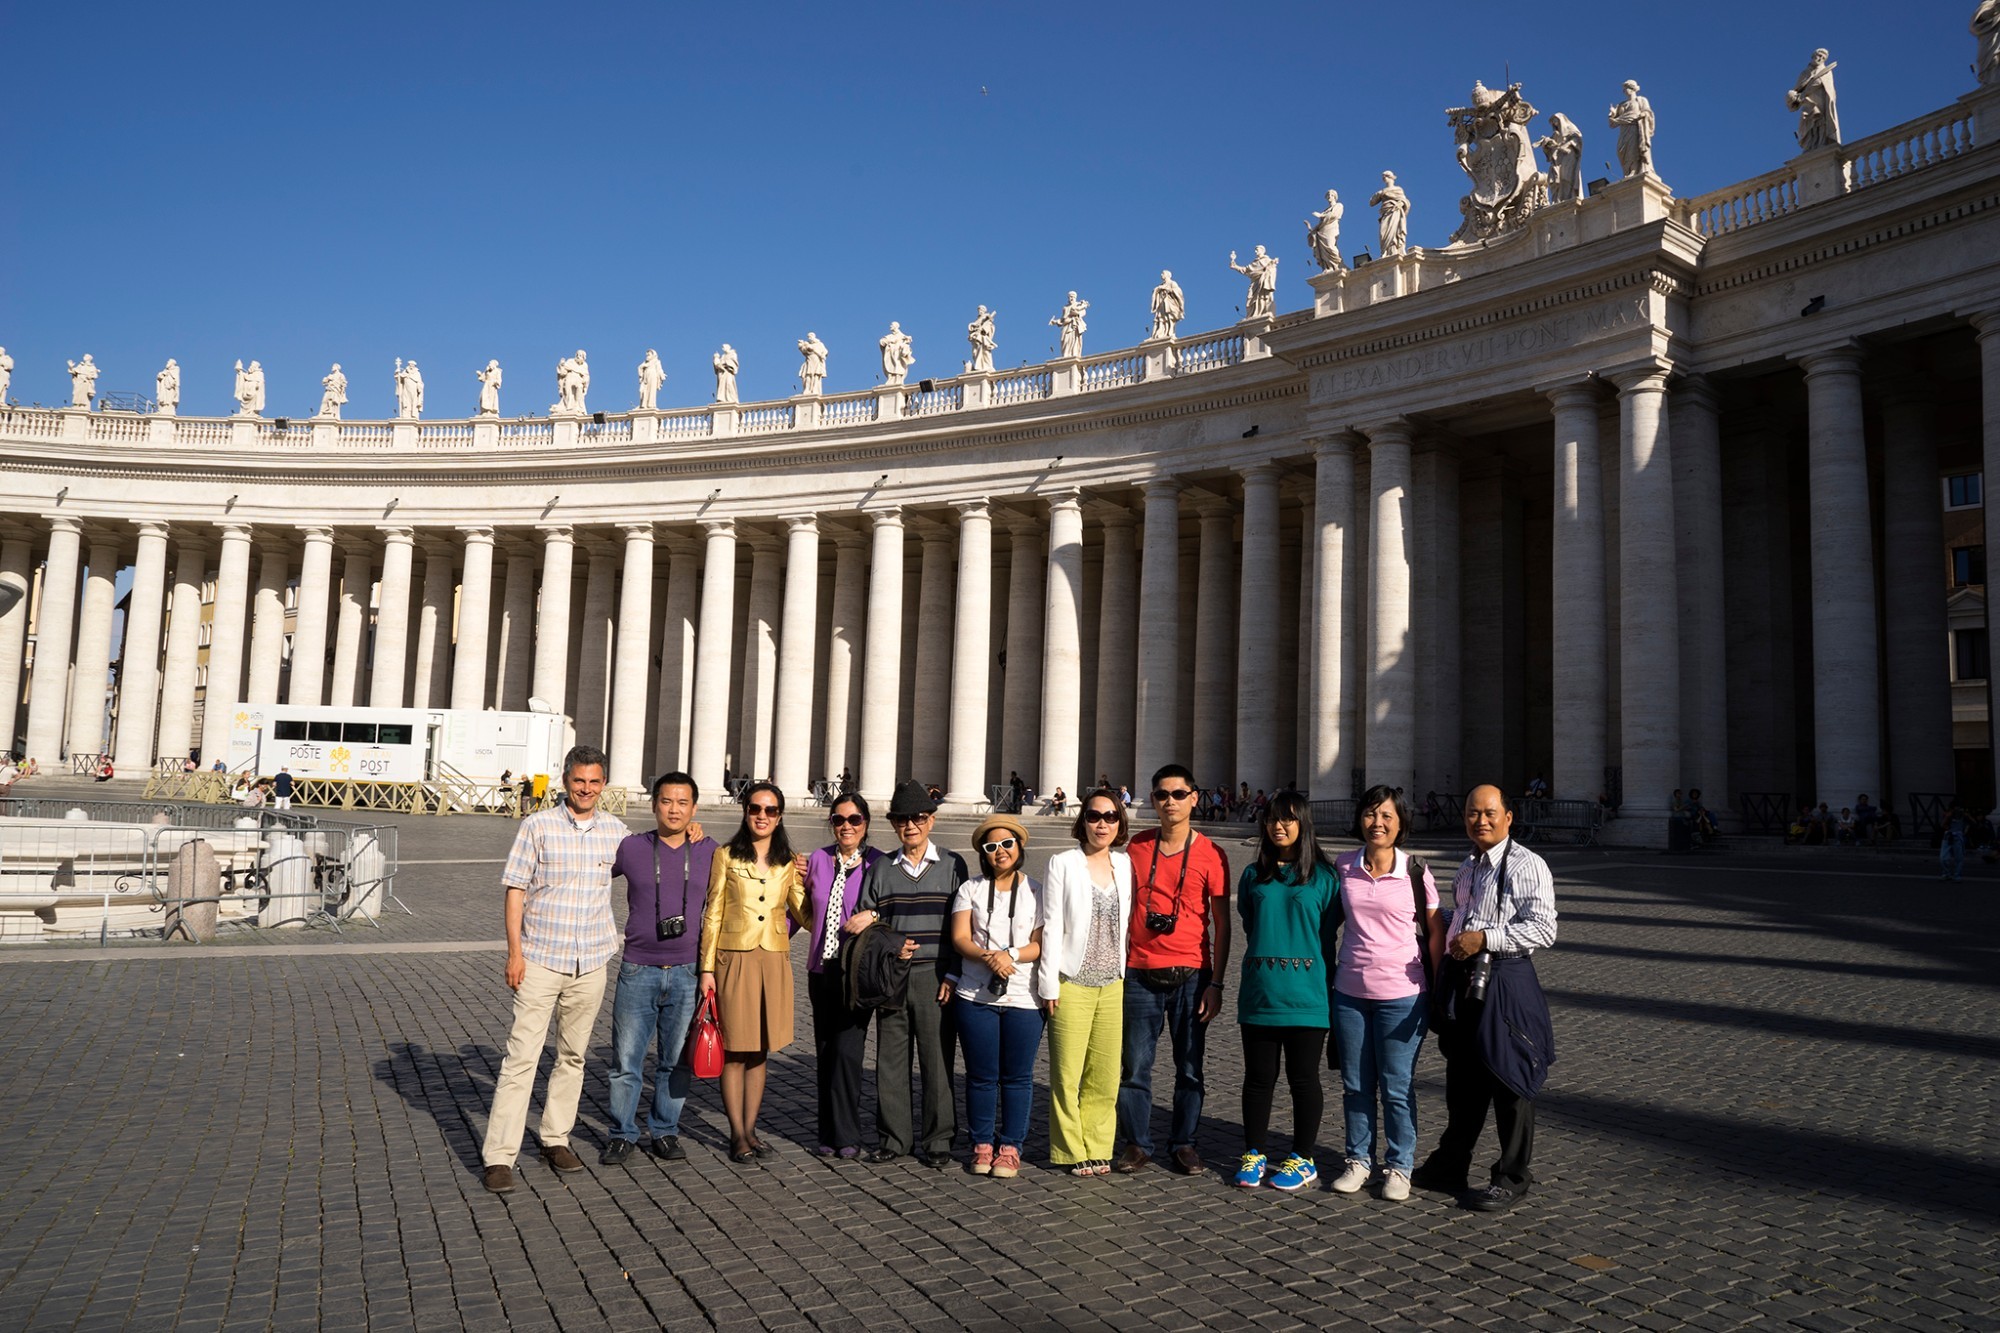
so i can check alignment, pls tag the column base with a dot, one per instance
(1636, 827)
(958, 803)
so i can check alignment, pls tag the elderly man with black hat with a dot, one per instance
(912, 892)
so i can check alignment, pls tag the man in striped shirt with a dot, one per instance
(560, 936)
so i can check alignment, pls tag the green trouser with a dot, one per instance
(1086, 1035)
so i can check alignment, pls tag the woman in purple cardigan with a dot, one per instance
(833, 883)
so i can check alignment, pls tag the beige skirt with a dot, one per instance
(753, 998)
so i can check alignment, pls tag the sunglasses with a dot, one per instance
(850, 821)
(1162, 794)
(769, 811)
(908, 819)
(1100, 817)
(1000, 845)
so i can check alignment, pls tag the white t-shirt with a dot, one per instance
(1020, 905)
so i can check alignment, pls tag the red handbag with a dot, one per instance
(704, 1052)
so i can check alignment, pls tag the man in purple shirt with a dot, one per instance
(666, 883)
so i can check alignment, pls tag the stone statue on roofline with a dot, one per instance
(979, 333)
(651, 376)
(1562, 149)
(1261, 301)
(1812, 97)
(489, 389)
(1633, 119)
(812, 368)
(83, 381)
(1986, 32)
(409, 390)
(897, 354)
(1169, 307)
(1071, 324)
(1494, 151)
(166, 389)
(249, 389)
(726, 366)
(1323, 234)
(333, 393)
(572, 383)
(1392, 217)
(6, 375)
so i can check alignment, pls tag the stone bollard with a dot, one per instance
(288, 882)
(194, 875)
(367, 886)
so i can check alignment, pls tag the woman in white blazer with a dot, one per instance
(1086, 908)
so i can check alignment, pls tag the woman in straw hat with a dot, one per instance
(993, 928)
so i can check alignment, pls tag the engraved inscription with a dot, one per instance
(1497, 348)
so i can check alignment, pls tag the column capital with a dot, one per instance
(1068, 499)
(316, 532)
(152, 527)
(1163, 487)
(1842, 358)
(763, 542)
(1340, 444)
(890, 516)
(64, 523)
(636, 530)
(235, 531)
(719, 527)
(1022, 524)
(1396, 430)
(980, 509)
(1209, 508)
(801, 523)
(1648, 376)
(1573, 395)
(398, 536)
(847, 539)
(1261, 472)
(1698, 390)
(1986, 323)
(556, 534)
(1113, 515)
(477, 536)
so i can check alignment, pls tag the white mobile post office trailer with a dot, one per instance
(396, 744)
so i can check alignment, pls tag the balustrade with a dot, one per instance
(526, 434)
(612, 430)
(1024, 387)
(202, 434)
(1113, 372)
(687, 426)
(367, 437)
(1209, 352)
(1908, 147)
(445, 435)
(945, 398)
(119, 428)
(287, 436)
(764, 420)
(847, 411)
(31, 423)
(1720, 212)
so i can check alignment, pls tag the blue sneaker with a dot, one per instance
(1296, 1173)
(1250, 1173)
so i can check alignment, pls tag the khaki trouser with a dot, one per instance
(573, 1001)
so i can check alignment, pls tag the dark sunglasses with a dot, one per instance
(771, 810)
(1100, 816)
(851, 821)
(1002, 845)
(1162, 794)
(908, 819)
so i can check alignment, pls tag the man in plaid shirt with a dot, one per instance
(560, 937)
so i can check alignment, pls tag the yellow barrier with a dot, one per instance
(448, 797)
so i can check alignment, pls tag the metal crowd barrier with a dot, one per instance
(187, 814)
(1544, 817)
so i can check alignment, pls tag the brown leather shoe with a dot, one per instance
(1186, 1161)
(560, 1158)
(1133, 1161)
(500, 1179)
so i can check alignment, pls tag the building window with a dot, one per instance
(1968, 565)
(1963, 491)
(1968, 654)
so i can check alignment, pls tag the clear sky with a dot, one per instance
(451, 182)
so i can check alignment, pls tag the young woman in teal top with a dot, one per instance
(1289, 899)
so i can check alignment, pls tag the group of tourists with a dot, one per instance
(1123, 939)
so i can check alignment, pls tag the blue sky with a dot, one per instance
(449, 183)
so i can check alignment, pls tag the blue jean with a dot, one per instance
(1379, 1041)
(1000, 1045)
(654, 1007)
(1146, 1011)
(1951, 856)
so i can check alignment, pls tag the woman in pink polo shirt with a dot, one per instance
(1378, 984)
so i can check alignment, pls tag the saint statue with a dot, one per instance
(1633, 119)
(6, 375)
(572, 383)
(333, 387)
(1070, 321)
(1169, 307)
(812, 372)
(489, 389)
(1261, 301)
(1323, 234)
(249, 389)
(725, 374)
(980, 334)
(1812, 98)
(407, 401)
(897, 355)
(1986, 32)
(83, 381)
(166, 388)
(1392, 216)
(651, 376)
(1562, 146)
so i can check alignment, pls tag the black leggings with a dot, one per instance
(1301, 1049)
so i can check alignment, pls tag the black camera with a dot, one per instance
(1162, 924)
(671, 927)
(996, 985)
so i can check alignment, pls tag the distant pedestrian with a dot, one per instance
(281, 789)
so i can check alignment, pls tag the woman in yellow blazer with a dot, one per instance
(754, 894)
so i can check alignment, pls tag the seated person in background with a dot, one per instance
(1819, 825)
(1679, 803)
(188, 764)
(105, 772)
(1700, 821)
(1056, 802)
(10, 773)
(1538, 790)
(1846, 825)
(1866, 819)
(1605, 807)
(1432, 809)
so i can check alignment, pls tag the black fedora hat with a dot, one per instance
(911, 798)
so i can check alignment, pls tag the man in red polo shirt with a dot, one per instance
(1176, 954)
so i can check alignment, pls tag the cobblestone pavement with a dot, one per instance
(1774, 1105)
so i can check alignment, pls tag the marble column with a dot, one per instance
(392, 619)
(1698, 552)
(760, 656)
(1988, 325)
(1021, 699)
(1434, 618)
(1335, 747)
(1062, 663)
(1913, 602)
(309, 629)
(475, 597)
(1847, 718)
(551, 679)
(139, 671)
(1189, 577)
(48, 697)
(1580, 681)
(177, 678)
(17, 553)
(350, 642)
(1215, 680)
(677, 654)
(1392, 675)
(593, 684)
(882, 671)
(712, 678)
(516, 657)
(267, 625)
(225, 642)
(631, 674)
(1117, 644)
(1302, 558)
(91, 681)
(428, 664)
(972, 656)
(843, 653)
(1157, 700)
(1649, 684)
(1260, 681)
(798, 626)
(931, 697)
(1086, 657)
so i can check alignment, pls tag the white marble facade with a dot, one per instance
(1427, 532)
